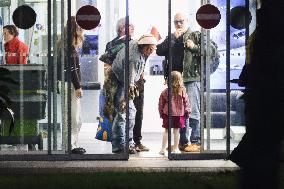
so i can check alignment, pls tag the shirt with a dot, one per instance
(16, 52)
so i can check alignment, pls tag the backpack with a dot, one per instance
(110, 54)
(214, 56)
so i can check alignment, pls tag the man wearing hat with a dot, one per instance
(117, 43)
(139, 51)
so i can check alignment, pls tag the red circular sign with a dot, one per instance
(88, 17)
(208, 16)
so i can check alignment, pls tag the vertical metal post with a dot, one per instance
(54, 76)
(63, 94)
(228, 103)
(126, 76)
(169, 78)
(2, 57)
(202, 70)
(208, 92)
(69, 61)
(49, 81)
(247, 21)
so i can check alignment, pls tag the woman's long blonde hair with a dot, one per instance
(177, 83)
(76, 34)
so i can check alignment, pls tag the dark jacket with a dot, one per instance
(185, 60)
(177, 51)
(75, 68)
(112, 43)
(192, 58)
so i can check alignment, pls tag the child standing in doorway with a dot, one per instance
(180, 110)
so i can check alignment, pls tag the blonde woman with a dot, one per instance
(180, 110)
(76, 89)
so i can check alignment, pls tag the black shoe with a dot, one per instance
(31, 147)
(78, 151)
(141, 148)
(119, 151)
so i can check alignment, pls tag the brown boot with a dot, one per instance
(142, 148)
(192, 148)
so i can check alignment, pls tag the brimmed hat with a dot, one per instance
(147, 39)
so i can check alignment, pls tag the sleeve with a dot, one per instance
(161, 104)
(187, 109)
(196, 49)
(108, 46)
(162, 48)
(196, 38)
(75, 71)
(131, 72)
(23, 53)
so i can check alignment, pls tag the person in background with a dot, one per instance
(16, 51)
(77, 93)
(259, 150)
(139, 100)
(180, 110)
(139, 51)
(186, 48)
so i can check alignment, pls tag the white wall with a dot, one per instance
(149, 13)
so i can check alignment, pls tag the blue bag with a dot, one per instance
(104, 127)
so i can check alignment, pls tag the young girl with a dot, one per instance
(180, 110)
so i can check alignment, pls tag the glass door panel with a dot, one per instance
(93, 71)
(239, 36)
(28, 67)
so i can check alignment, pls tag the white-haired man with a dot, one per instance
(186, 48)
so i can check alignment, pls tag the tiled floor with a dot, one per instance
(93, 146)
(152, 140)
(152, 130)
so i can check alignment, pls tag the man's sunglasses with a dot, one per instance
(179, 21)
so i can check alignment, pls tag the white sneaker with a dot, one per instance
(175, 151)
(162, 152)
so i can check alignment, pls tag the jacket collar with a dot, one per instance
(14, 41)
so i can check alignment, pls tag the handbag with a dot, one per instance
(104, 129)
(104, 126)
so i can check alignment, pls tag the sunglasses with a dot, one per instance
(179, 21)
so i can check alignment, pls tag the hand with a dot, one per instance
(142, 76)
(122, 105)
(190, 44)
(178, 32)
(133, 92)
(79, 93)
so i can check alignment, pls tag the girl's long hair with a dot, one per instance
(76, 34)
(177, 83)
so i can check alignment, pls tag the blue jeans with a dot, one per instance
(119, 122)
(193, 92)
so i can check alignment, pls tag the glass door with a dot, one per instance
(221, 120)
(203, 135)
(46, 104)
(23, 100)
(82, 132)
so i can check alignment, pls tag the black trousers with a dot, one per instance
(139, 105)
